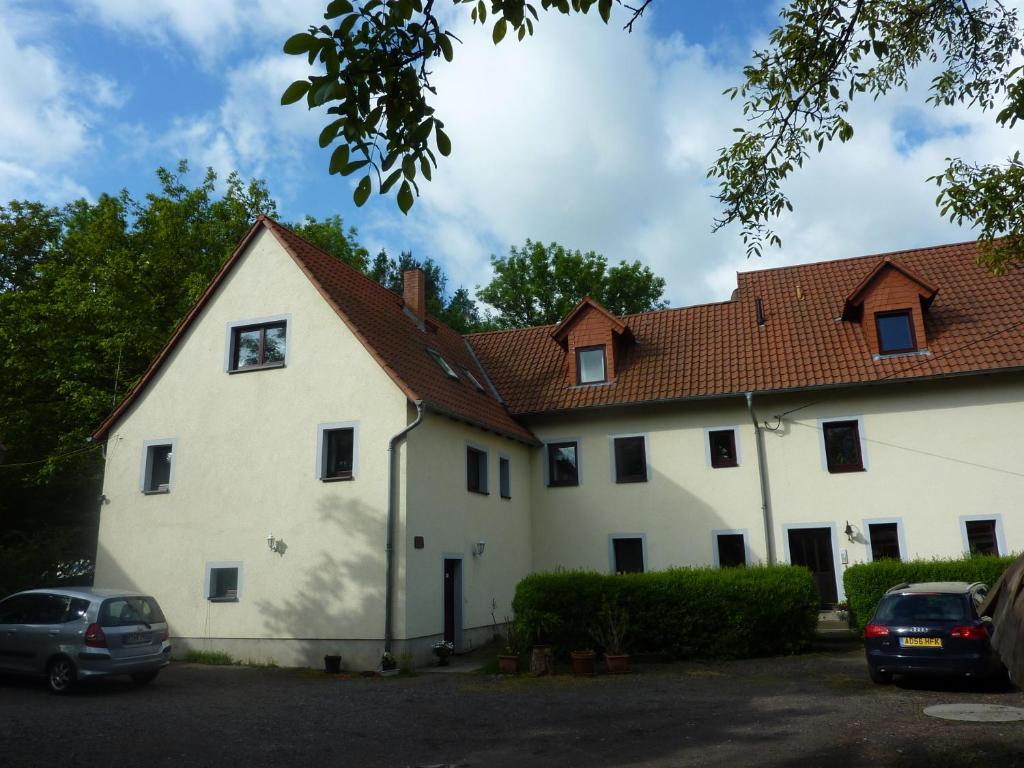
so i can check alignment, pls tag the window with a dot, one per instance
(732, 550)
(337, 453)
(261, 345)
(981, 537)
(627, 554)
(505, 477)
(895, 332)
(474, 381)
(630, 459)
(223, 581)
(126, 611)
(158, 462)
(563, 464)
(590, 365)
(842, 446)
(448, 370)
(476, 470)
(722, 448)
(885, 541)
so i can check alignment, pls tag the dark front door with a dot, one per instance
(452, 601)
(812, 548)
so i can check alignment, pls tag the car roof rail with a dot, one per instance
(904, 585)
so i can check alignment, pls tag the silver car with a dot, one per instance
(74, 634)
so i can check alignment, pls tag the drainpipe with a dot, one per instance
(762, 471)
(389, 549)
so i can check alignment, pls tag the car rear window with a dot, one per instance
(120, 611)
(906, 609)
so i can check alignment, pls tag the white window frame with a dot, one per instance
(321, 449)
(865, 464)
(736, 439)
(611, 450)
(486, 479)
(233, 324)
(147, 458)
(997, 518)
(613, 537)
(866, 532)
(579, 461)
(211, 565)
(508, 462)
(730, 532)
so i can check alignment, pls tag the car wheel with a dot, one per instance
(144, 678)
(881, 677)
(61, 675)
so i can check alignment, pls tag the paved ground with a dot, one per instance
(805, 711)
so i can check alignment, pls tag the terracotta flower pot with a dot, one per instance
(583, 662)
(617, 663)
(507, 664)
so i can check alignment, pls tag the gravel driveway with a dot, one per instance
(818, 709)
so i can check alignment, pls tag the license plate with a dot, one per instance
(136, 638)
(920, 642)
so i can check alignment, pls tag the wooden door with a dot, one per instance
(812, 548)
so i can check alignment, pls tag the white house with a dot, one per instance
(312, 464)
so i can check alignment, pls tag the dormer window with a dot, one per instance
(590, 365)
(448, 370)
(895, 332)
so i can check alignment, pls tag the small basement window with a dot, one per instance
(337, 452)
(505, 477)
(732, 550)
(628, 554)
(262, 345)
(563, 464)
(981, 537)
(222, 582)
(885, 541)
(722, 447)
(476, 470)
(590, 365)
(895, 332)
(448, 370)
(842, 446)
(630, 459)
(159, 460)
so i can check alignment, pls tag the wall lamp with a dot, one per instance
(274, 545)
(848, 530)
(478, 548)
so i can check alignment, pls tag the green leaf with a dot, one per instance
(500, 27)
(300, 43)
(329, 132)
(604, 7)
(444, 144)
(295, 91)
(337, 8)
(409, 168)
(389, 182)
(362, 193)
(354, 166)
(339, 159)
(445, 44)
(405, 197)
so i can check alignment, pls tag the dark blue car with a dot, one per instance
(931, 628)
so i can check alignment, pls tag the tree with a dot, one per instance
(371, 74)
(539, 285)
(331, 236)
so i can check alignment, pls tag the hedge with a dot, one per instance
(867, 582)
(681, 613)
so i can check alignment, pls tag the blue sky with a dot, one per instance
(581, 134)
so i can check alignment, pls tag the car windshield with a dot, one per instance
(121, 611)
(909, 609)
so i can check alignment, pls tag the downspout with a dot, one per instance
(389, 549)
(762, 471)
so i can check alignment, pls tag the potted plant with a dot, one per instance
(583, 662)
(508, 662)
(443, 649)
(388, 665)
(332, 664)
(610, 634)
(541, 660)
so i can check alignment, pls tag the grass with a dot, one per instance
(216, 658)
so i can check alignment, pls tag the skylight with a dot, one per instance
(449, 371)
(475, 382)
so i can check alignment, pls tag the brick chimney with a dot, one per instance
(414, 292)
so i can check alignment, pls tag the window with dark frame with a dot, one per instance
(732, 550)
(505, 478)
(448, 370)
(476, 470)
(339, 453)
(895, 332)
(981, 537)
(842, 446)
(590, 365)
(563, 467)
(258, 346)
(722, 444)
(158, 468)
(630, 459)
(885, 541)
(223, 583)
(629, 554)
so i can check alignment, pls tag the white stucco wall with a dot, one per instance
(451, 519)
(245, 465)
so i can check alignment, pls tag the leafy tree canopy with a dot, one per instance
(371, 73)
(539, 284)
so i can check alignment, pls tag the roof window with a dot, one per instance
(448, 370)
(474, 381)
(895, 332)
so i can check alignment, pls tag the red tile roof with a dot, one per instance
(378, 318)
(975, 324)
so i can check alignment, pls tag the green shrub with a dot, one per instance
(865, 583)
(219, 658)
(682, 612)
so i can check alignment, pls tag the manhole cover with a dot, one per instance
(976, 713)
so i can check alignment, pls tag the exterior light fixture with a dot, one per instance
(848, 530)
(478, 548)
(274, 545)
